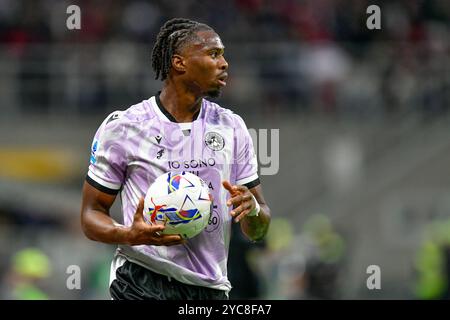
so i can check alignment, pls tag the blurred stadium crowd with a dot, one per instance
(291, 62)
(307, 55)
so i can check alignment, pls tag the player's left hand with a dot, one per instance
(241, 199)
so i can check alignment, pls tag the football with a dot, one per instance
(181, 201)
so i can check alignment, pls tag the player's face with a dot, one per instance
(206, 67)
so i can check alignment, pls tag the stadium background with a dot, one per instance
(363, 176)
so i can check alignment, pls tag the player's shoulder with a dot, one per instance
(133, 115)
(220, 115)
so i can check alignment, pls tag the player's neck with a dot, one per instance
(180, 103)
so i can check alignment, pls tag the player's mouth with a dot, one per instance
(222, 79)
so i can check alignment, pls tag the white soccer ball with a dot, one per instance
(181, 201)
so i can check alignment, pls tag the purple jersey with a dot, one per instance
(133, 147)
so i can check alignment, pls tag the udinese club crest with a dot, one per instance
(214, 141)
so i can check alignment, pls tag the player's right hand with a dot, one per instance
(142, 232)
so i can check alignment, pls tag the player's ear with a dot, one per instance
(178, 63)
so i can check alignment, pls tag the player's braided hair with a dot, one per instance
(171, 37)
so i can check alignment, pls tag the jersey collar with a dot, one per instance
(163, 113)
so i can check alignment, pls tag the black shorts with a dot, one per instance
(134, 282)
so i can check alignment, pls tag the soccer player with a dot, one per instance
(175, 130)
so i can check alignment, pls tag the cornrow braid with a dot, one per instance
(171, 37)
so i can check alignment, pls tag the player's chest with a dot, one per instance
(187, 147)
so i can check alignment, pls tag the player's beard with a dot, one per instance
(214, 93)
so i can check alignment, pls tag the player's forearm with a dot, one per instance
(255, 228)
(99, 226)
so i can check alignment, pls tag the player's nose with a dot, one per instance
(223, 64)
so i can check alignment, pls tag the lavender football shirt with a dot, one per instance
(133, 147)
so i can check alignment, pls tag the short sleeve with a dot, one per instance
(108, 156)
(246, 163)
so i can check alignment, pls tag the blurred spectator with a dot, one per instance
(324, 257)
(433, 263)
(304, 265)
(28, 267)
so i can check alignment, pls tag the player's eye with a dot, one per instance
(216, 53)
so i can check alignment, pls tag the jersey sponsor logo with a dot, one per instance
(159, 154)
(214, 141)
(192, 164)
(158, 138)
(115, 116)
